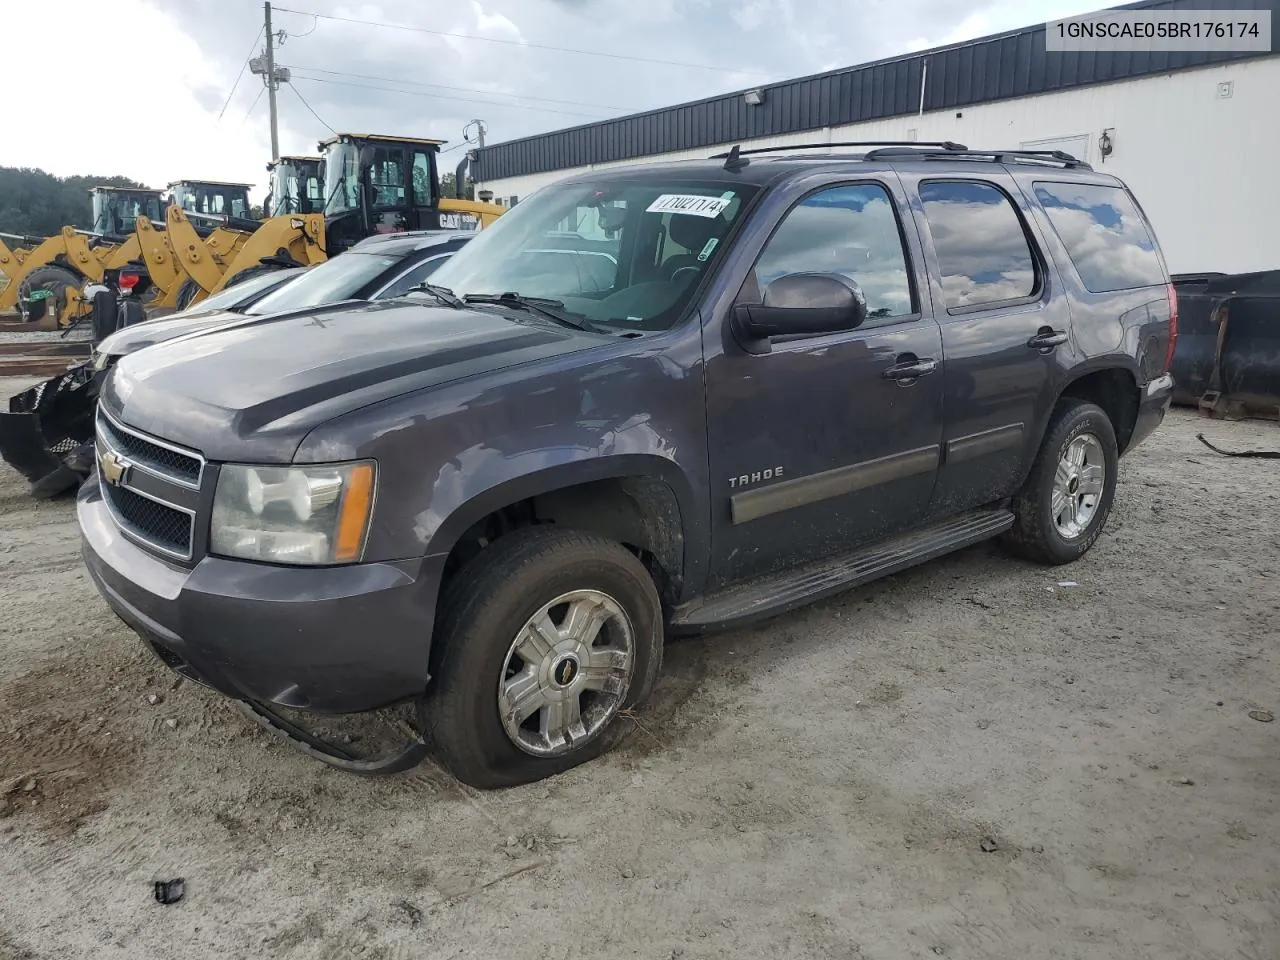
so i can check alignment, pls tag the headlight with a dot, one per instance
(298, 515)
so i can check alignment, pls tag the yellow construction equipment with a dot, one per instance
(372, 184)
(294, 185)
(55, 268)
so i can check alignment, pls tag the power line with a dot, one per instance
(441, 86)
(299, 95)
(515, 43)
(432, 96)
(254, 104)
(240, 75)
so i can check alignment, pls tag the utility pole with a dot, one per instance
(480, 132)
(271, 84)
(272, 76)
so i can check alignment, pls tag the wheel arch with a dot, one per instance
(641, 500)
(1114, 388)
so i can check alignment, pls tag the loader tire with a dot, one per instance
(62, 282)
(250, 273)
(186, 293)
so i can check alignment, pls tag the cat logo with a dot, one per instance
(113, 467)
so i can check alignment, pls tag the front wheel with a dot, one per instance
(1065, 502)
(542, 640)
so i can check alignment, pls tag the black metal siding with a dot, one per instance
(1008, 65)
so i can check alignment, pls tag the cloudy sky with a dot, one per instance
(144, 88)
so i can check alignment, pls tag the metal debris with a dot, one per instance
(170, 891)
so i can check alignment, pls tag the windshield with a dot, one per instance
(119, 212)
(238, 293)
(341, 278)
(212, 199)
(341, 178)
(625, 253)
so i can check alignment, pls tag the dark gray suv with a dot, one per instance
(655, 398)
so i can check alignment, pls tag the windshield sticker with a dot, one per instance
(691, 204)
(708, 249)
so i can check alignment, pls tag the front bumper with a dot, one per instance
(1154, 403)
(330, 639)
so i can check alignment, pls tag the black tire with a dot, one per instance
(1035, 534)
(251, 272)
(484, 609)
(57, 279)
(186, 293)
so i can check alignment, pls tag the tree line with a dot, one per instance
(38, 204)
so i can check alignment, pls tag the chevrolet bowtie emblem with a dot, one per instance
(113, 467)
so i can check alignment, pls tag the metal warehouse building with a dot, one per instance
(1196, 135)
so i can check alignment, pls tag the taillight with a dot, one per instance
(129, 280)
(1173, 328)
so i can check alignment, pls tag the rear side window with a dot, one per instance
(983, 253)
(1105, 236)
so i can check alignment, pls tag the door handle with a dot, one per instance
(1047, 339)
(911, 369)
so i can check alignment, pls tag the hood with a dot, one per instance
(144, 334)
(253, 391)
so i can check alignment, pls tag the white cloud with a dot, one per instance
(122, 90)
(134, 86)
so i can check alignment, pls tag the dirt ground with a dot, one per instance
(970, 760)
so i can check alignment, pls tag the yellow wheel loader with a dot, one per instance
(373, 184)
(294, 185)
(46, 277)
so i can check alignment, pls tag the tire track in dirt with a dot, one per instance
(59, 754)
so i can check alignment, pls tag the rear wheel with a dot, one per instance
(51, 284)
(1065, 502)
(543, 639)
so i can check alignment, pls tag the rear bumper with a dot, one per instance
(331, 640)
(1152, 407)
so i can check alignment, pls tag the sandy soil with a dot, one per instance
(969, 760)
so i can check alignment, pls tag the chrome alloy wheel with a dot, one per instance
(1077, 486)
(567, 673)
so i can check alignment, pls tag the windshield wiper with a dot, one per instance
(443, 294)
(540, 305)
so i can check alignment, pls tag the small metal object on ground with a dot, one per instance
(170, 891)
(1259, 454)
(1262, 716)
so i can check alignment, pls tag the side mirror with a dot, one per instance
(801, 303)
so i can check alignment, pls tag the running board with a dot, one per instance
(768, 596)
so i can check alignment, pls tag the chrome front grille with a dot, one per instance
(157, 457)
(151, 487)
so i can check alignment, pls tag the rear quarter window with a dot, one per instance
(1106, 237)
(984, 257)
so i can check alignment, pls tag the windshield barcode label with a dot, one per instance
(689, 203)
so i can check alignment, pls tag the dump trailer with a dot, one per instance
(295, 185)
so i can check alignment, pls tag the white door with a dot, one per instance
(1077, 146)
